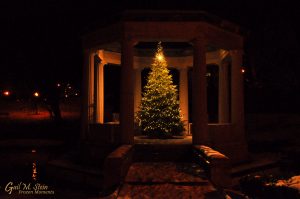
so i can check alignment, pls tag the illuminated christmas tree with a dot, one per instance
(159, 114)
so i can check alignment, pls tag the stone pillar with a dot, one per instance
(223, 93)
(127, 92)
(86, 92)
(237, 93)
(91, 89)
(96, 86)
(137, 89)
(183, 96)
(100, 89)
(200, 117)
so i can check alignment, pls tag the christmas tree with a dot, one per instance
(159, 114)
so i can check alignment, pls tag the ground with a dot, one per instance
(276, 134)
(293, 182)
(167, 180)
(29, 139)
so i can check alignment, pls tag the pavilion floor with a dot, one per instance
(177, 140)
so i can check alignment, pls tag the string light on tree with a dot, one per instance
(159, 113)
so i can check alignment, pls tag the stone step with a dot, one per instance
(254, 167)
(167, 180)
(162, 153)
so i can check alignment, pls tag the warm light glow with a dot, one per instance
(58, 84)
(33, 151)
(160, 57)
(6, 93)
(243, 70)
(34, 171)
(36, 94)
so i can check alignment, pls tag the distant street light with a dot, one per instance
(243, 70)
(36, 94)
(6, 93)
(35, 102)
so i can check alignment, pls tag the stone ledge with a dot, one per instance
(217, 165)
(116, 166)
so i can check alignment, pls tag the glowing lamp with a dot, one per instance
(36, 94)
(6, 93)
(243, 70)
(58, 84)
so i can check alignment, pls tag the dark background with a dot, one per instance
(40, 43)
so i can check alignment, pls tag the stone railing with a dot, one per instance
(216, 165)
(116, 166)
(105, 134)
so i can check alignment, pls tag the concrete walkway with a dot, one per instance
(167, 180)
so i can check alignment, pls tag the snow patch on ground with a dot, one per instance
(293, 182)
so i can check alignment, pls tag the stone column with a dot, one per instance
(100, 89)
(127, 93)
(137, 89)
(96, 94)
(223, 93)
(91, 89)
(86, 92)
(237, 92)
(183, 96)
(200, 118)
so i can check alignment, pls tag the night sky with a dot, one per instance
(41, 40)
